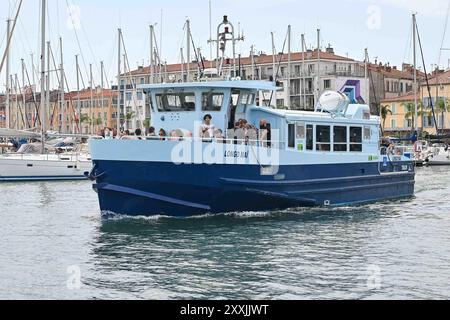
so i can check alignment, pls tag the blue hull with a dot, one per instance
(148, 188)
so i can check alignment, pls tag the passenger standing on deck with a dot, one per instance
(265, 135)
(207, 128)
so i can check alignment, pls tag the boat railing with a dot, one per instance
(394, 151)
(73, 156)
(248, 142)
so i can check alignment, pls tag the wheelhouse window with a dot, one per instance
(340, 139)
(356, 139)
(291, 135)
(300, 130)
(323, 138)
(310, 137)
(212, 101)
(247, 98)
(176, 102)
(367, 133)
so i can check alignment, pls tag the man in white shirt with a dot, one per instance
(207, 128)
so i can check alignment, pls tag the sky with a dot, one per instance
(89, 28)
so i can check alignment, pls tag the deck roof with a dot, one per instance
(241, 84)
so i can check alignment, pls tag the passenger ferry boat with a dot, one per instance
(329, 157)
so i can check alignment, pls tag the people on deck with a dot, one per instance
(162, 135)
(138, 134)
(265, 135)
(207, 128)
(108, 134)
(151, 132)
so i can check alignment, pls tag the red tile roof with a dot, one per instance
(441, 78)
(246, 61)
(393, 72)
(406, 97)
(86, 94)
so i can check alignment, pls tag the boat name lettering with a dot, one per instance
(236, 154)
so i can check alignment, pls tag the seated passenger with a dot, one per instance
(176, 135)
(162, 135)
(107, 134)
(151, 132)
(138, 134)
(207, 128)
(218, 135)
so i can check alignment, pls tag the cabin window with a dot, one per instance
(300, 131)
(310, 137)
(291, 135)
(340, 139)
(367, 133)
(247, 99)
(366, 115)
(323, 138)
(355, 139)
(176, 102)
(212, 101)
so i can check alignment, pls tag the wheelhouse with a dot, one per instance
(182, 106)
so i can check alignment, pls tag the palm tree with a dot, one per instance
(130, 115)
(385, 111)
(147, 123)
(410, 113)
(85, 119)
(443, 106)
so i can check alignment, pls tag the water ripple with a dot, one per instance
(379, 251)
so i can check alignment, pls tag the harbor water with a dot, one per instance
(55, 245)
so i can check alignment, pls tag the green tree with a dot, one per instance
(442, 107)
(147, 123)
(98, 122)
(130, 115)
(385, 111)
(410, 113)
(85, 118)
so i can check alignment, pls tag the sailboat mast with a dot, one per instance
(303, 79)
(289, 75)
(91, 81)
(119, 63)
(78, 95)
(44, 5)
(47, 91)
(8, 65)
(24, 100)
(318, 67)
(62, 88)
(274, 72)
(366, 75)
(416, 113)
(102, 82)
(210, 34)
(188, 50)
(152, 57)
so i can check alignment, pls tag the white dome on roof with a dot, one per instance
(333, 101)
